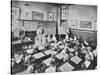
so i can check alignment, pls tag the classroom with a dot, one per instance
(52, 37)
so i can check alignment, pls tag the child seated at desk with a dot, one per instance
(18, 57)
(71, 50)
(88, 58)
(90, 52)
(41, 48)
(61, 45)
(27, 59)
(53, 50)
(65, 54)
(87, 62)
(54, 38)
(49, 38)
(66, 37)
(44, 39)
(30, 68)
(18, 62)
(71, 39)
(52, 67)
(95, 52)
(29, 62)
(75, 38)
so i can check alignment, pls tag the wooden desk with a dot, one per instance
(38, 55)
(29, 51)
(72, 50)
(50, 69)
(66, 67)
(25, 72)
(47, 52)
(76, 59)
(47, 61)
(87, 64)
(59, 56)
(19, 46)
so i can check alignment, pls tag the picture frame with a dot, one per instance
(37, 16)
(86, 24)
(15, 12)
(50, 16)
(26, 15)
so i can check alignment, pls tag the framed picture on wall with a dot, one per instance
(37, 16)
(26, 15)
(15, 12)
(50, 16)
(86, 24)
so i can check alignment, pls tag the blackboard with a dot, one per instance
(30, 25)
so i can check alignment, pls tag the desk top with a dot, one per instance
(66, 67)
(72, 50)
(76, 59)
(59, 56)
(29, 51)
(39, 55)
(50, 69)
(87, 64)
(47, 52)
(47, 61)
(20, 42)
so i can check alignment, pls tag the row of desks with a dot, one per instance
(66, 66)
(69, 65)
(44, 57)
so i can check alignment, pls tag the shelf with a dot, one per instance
(37, 21)
(83, 30)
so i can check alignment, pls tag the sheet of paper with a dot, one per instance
(47, 52)
(76, 59)
(29, 51)
(87, 63)
(59, 56)
(71, 50)
(66, 67)
(38, 55)
(50, 69)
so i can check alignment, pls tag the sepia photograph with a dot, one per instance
(52, 37)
